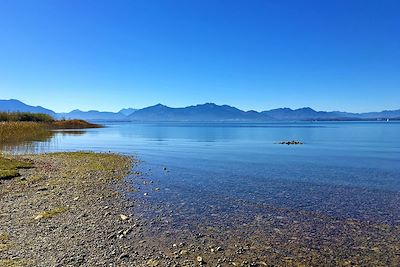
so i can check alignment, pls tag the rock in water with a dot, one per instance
(293, 142)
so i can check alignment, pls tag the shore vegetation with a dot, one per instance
(18, 128)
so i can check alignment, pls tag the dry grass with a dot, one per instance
(13, 263)
(50, 213)
(3, 237)
(19, 132)
(13, 133)
(4, 242)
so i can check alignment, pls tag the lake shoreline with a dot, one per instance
(77, 209)
(68, 210)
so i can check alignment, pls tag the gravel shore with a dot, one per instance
(67, 211)
(71, 209)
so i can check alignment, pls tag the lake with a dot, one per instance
(345, 169)
(337, 192)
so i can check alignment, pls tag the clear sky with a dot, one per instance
(106, 55)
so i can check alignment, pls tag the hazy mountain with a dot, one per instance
(14, 105)
(127, 111)
(204, 112)
(382, 115)
(302, 114)
(213, 112)
(386, 114)
(92, 115)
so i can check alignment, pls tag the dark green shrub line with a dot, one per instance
(25, 116)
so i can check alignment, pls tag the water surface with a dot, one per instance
(344, 169)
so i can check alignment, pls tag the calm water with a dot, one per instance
(344, 170)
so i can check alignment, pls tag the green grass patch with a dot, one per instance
(8, 174)
(50, 213)
(88, 161)
(6, 163)
(9, 167)
(3, 237)
(4, 247)
(13, 263)
(3, 242)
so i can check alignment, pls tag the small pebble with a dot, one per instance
(123, 217)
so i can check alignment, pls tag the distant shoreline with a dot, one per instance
(242, 121)
(203, 112)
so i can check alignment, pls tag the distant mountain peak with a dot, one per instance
(305, 109)
(14, 100)
(280, 109)
(15, 105)
(159, 105)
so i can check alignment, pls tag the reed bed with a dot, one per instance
(18, 129)
(14, 133)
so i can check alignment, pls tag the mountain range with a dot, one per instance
(16, 105)
(203, 112)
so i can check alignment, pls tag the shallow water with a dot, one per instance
(344, 169)
(332, 201)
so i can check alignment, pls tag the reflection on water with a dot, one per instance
(68, 132)
(36, 143)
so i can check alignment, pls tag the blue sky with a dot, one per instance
(106, 55)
